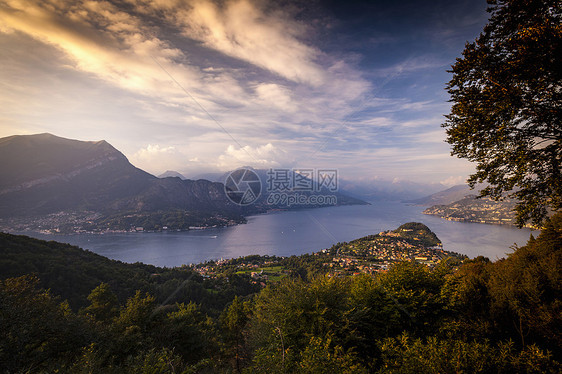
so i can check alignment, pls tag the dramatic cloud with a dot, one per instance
(241, 30)
(263, 156)
(213, 85)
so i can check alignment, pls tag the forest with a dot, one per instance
(95, 315)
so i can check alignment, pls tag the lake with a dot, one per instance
(294, 233)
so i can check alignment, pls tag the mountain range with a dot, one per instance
(54, 183)
(46, 175)
(445, 197)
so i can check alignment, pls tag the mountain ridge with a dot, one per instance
(73, 185)
(45, 174)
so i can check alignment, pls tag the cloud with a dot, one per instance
(156, 159)
(98, 38)
(178, 72)
(239, 28)
(274, 95)
(125, 50)
(262, 156)
(412, 64)
(454, 180)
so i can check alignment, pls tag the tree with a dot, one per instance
(233, 321)
(38, 333)
(104, 305)
(526, 289)
(507, 106)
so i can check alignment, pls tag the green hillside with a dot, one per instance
(71, 273)
(418, 233)
(297, 316)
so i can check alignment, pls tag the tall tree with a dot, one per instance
(507, 106)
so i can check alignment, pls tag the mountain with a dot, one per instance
(48, 175)
(44, 173)
(447, 196)
(269, 193)
(174, 174)
(214, 177)
(396, 190)
(71, 273)
(55, 184)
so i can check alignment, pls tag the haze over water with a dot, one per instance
(295, 233)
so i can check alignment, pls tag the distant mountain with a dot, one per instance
(362, 190)
(213, 177)
(447, 196)
(267, 201)
(45, 174)
(173, 174)
(51, 183)
(396, 190)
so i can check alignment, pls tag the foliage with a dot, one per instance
(506, 114)
(37, 331)
(406, 355)
(72, 273)
(418, 233)
(103, 304)
(478, 316)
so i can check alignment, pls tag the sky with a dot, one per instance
(203, 86)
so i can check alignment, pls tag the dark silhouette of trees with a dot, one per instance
(507, 106)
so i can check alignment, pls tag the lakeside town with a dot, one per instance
(89, 222)
(477, 210)
(369, 255)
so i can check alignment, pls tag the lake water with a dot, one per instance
(294, 233)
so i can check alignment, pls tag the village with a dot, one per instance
(369, 255)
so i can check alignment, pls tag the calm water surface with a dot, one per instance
(294, 233)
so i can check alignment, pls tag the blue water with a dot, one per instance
(294, 233)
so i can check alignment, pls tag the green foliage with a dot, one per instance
(319, 357)
(406, 355)
(526, 288)
(191, 333)
(37, 332)
(415, 291)
(476, 316)
(103, 304)
(506, 115)
(72, 273)
(162, 361)
(418, 233)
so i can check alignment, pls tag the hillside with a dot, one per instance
(418, 233)
(445, 197)
(71, 273)
(481, 210)
(411, 241)
(451, 316)
(52, 183)
(55, 184)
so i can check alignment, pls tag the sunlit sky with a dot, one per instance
(203, 86)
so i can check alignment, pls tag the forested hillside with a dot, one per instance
(480, 316)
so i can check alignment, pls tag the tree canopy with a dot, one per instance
(506, 114)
